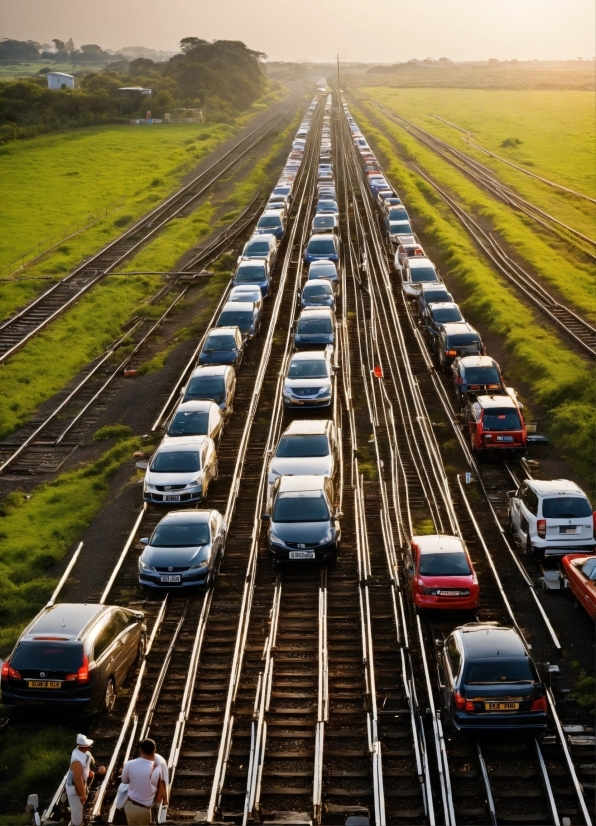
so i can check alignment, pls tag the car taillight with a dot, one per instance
(451, 353)
(8, 672)
(469, 705)
(541, 528)
(460, 702)
(539, 705)
(82, 675)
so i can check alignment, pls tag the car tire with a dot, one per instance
(142, 647)
(109, 697)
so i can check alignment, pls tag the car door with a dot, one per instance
(410, 571)
(107, 651)
(128, 639)
(527, 501)
(451, 666)
(515, 513)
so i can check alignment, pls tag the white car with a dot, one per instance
(199, 418)
(308, 447)
(246, 292)
(551, 518)
(180, 471)
(416, 272)
(309, 379)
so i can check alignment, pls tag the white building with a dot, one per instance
(56, 80)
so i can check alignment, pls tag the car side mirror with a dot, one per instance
(144, 541)
(439, 645)
(142, 465)
(511, 494)
(265, 517)
(182, 390)
(336, 368)
(338, 514)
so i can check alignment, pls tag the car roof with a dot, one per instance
(500, 400)
(212, 369)
(438, 543)
(433, 285)
(245, 288)
(263, 236)
(236, 305)
(322, 311)
(269, 213)
(437, 305)
(200, 516)
(552, 486)
(309, 355)
(290, 484)
(322, 236)
(183, 443)
(229, 328)
(478, 361)
(66, 619)
(328, 216)
(482, 641)
(453, 327)
(307, 426)
(322, 263)
(421, 261)
(197, 405)
(317, 283)
(253, 261)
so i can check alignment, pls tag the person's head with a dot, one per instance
(147, 747)
(83, 743)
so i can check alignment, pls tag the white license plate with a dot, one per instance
(504, 438)
(565, 529)
(302, 554)
(448, 593)
(170, 578)
(501, 706)
(172, 498)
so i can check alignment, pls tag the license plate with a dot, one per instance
(565, 529)
(44, 684)
(172, 498)
(302, 554)
(501, 706)
(171, 578)
(504, 438)
(448, 593)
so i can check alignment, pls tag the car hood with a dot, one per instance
(300, 466)
(175, 557)
(308, 383)
(218, 357)
(307, 532)
(171, 478)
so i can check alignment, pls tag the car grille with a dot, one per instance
(302, 546)
(306, 391)
(169, 488)
(170, 570)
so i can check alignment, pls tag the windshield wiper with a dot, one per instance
(505, 682)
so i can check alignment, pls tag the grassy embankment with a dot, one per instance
(559, 380)
(548, 256)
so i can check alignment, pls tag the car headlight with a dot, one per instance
(203, 563)
(288, 391)
(149, 487)
(144, 567)
(196, 481)
(274, 538)
(325, 391)
(328, 536)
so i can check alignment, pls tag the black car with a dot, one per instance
(438, 314)
(315, 327)
(476, 374)
(217, 383)
(489, 681)
(73, 656)
(303, 522)
(242, 314)
(223, 345)
(431, 293)
(454, 340)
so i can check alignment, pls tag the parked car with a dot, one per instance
(246, 293)
(318, 293)
(261, 246)
(440, 574)
(223, 345)
(437, 314)
(307, 448)
(459, 339)
(279, 204)
(309, 379)
(255, 272)
(327, 206)
(315, 327)
(398, 229)
(416, 272)
(327, 222)
(242, 314)
(551, 518)
(489, 681)
(283, 189)
(495, 423)
(429, 294)
(73, 655)
(217, 383)
(388, 201)
(184, 550)
(476, 374)
(198, 418)
(580, 571)
(322, 247)
(180, 471)
(407, 249)
(303, 520)
(271, 221)
(324, 269)
(383, 195)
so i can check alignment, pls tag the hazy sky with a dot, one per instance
(366, 30)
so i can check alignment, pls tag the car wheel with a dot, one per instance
(141, 649)
(109, 697)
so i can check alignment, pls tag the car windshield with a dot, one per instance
(398, 213)
(261, 247)
(326, 206)
(441, 564)
(436, 296)
(311, 445)
(236, 318)
(482, 375)
(189, 423)
(176, 461)
(307, 506)
(180, 536)
(206, 387)
(315, 369)
(220, 341)
(322, 269)
(317, 291)
(499, 670)
(589, 569)
(48, 656)
(324, 221)
(315, 325)
(447, 314)
(269, 221)
(501, 418)
(250, 275)
(421, 274)
(566, 507)
(321, 246)
(464, 340)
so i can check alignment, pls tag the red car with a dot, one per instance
(495, 423)
(440, 574)
(580, 571)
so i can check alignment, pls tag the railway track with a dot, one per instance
(17, 330)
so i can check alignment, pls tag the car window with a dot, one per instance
(317, 290)
(250, 275)
(529, 499)
(47, 656)
(258, 246)
(308, 445)
(235, 318)
(444, 564)
(321, 246)
(180, 536)
(220, 341)
(499, 670)
(315, 325)
(501, 418)
(566, 507)
(445, 314)
(107, 635)
(422, 274)
(269, 221)
(301, 506)
(589, 569)
(189, 423)
(176, 461)
(482, 375)
(453, 655)
(206, 387)
(301, 369)
(464, 340)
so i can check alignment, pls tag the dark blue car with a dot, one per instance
(223, 345)
(254, 271)
(322, 246)
(315, 327)
(323, 269)
(317, 293)
(271, 221)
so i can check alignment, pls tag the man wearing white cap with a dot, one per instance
(78, 776)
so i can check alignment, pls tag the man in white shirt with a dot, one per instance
(78, 775)
(143, 776)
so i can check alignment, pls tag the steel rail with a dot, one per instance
(487, 788)
(322, 703)
(547, 785)
(152, 230)
(64, 576)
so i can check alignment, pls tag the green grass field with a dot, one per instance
(552, 134)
